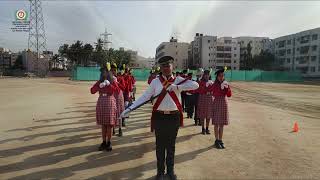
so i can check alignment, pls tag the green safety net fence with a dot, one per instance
(93, 73)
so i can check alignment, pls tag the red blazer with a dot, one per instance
(130, 80)
(202, 88)
(121, 83)
(111, 89)
(217, 91)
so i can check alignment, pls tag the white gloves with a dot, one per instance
(104, 83)
(224, 84)
(210, 82)
(125, 113)
(172, 87)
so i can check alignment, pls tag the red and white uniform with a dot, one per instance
(205, 101)
(106, 109)
(220, 104)
(119, 96)
(130, 81)
(171, 101)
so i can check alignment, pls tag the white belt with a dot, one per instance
(104, 94)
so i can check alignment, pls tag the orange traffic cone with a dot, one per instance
(295, 127)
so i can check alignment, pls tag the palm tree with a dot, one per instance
(87, 54)
(99, 55)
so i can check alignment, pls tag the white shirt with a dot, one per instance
(167, 103)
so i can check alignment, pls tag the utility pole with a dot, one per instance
(37, 41)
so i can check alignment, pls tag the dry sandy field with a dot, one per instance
(48, 131)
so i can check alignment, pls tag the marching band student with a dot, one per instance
(221, 90)
(119, 96)
(133, 82)
(190, 99)
(152, 76)
(167, 113)
(196, 97)
(183, 94)
(106, 108)
(127, 92)
(205, 101)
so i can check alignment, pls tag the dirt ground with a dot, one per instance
(48, 131)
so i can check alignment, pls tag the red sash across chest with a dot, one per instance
(166, 84)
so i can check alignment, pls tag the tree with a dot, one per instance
(264, 61)
(63, 50)
(74, 53)
(80, 54)
(86, 54)
(99, 55)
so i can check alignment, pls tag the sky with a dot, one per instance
(143, 25)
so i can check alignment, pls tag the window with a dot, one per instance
(234, 55)
(209, 54)
(314, 48)
(234, 61)
(227, 48)
(288, 51)
(313, 69)
(304, 39)
(288, 60)
(208, 41)
(289, 42)
(313, 58)
(315, 37)
(281, 44)
(220, 48)
(282, 52)
(176, 53)
(235, 48)
(234, 68)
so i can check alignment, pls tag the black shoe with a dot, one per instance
(109, 147)
(217, 144)
(208, 131)
(203, 131)
(221, 144)
(172, 176)
(160, 176)
(103, 146)
(120, 132)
